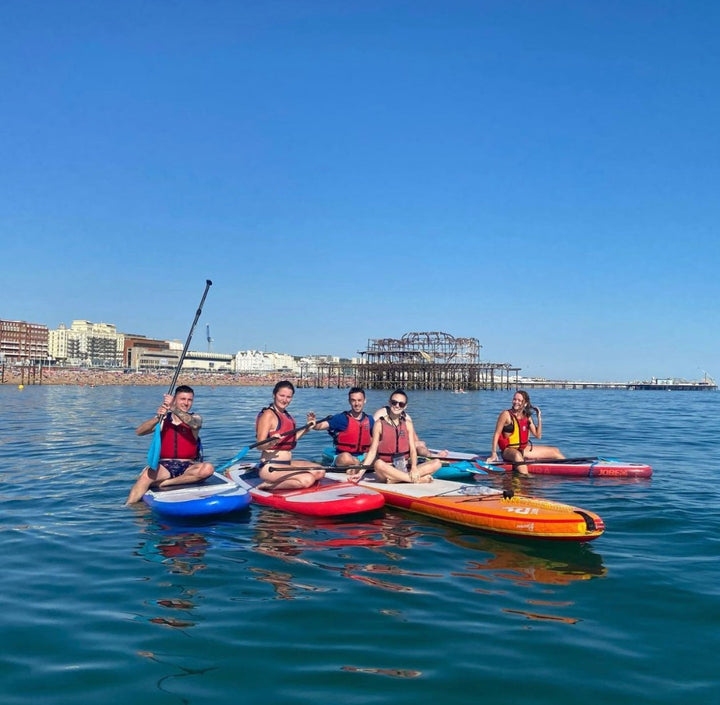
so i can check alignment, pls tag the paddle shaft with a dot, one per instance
(269, 439)
(291, 432)
(208, 284)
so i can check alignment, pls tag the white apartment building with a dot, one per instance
(259, 362)
(86, 343)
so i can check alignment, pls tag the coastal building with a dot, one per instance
(259, 362)
(208, 362)
(86, 344)
(23, 343)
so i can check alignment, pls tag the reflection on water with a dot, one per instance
(183, 554)
(331, 545)
(393, 672)
(528, 563)
(182, 672)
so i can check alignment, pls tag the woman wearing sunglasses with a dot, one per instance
(393, 455)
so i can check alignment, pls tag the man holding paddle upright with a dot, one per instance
(180, 460)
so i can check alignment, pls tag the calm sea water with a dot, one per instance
(103, 603)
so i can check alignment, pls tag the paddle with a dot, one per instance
(153, 456)
(269, 439)
(464, 466)
(487, 466)
(561, 461)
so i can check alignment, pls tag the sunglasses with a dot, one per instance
(395, 402)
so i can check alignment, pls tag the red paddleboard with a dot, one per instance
(570, 467)
(326, 498)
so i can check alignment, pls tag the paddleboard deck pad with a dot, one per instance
(490, 510)
(328, 497)
(215, 495)
(453, 468)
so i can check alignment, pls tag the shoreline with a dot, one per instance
(96, 378)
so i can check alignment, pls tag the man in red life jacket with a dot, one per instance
(180, 450)
(351, 430)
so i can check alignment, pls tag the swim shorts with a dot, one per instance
(176, 467)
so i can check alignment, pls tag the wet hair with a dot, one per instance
(183, 388)
(356, 390)
(284, 384)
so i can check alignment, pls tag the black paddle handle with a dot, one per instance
(208, 284)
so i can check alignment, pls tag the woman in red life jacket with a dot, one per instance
(181, 461)
(512, 435)
(277, 467)
(393, 453)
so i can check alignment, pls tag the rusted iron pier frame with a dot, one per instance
(452, 376)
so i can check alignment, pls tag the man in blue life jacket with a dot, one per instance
(351, 430)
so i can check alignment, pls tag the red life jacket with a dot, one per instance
(178, 441)
(356, 438)
(518, 437)
(285, 423)
(393, 439)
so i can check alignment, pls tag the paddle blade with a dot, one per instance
(153, 456)
(479, 464)
(467, 466)
(233, 460)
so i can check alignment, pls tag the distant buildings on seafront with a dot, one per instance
(424, 360)
(101, 345)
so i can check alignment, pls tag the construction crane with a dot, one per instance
(209, 339)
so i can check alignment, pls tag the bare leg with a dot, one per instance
(195, 473)
(425, 471)
(515, 456)
(344, 460)
(298, 475)
(142, 485)
(543, 453)
(424, 452)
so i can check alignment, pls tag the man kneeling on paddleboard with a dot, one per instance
(180, 451)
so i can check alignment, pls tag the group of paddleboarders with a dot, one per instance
(386, 442)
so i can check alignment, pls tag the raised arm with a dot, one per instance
(536, 430)
(149, 426)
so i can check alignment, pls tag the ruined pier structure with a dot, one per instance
(428, 360)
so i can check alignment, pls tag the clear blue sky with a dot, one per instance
(540, 175)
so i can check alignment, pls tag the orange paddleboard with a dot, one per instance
(489, 510)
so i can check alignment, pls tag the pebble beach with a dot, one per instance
(96, 378)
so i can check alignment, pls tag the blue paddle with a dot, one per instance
(153, 456)
(269, 439)
(487, 466)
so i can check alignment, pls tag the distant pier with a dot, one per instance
(654, 384)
